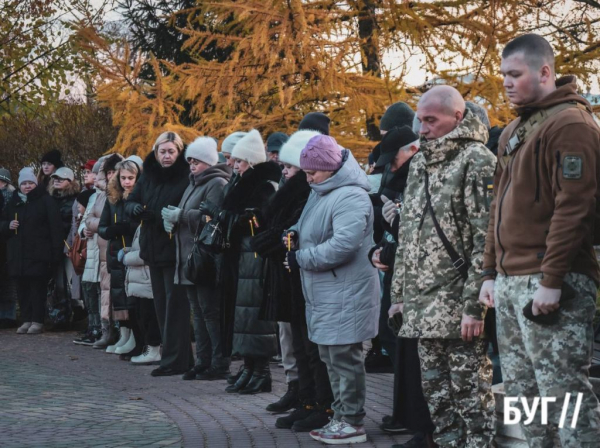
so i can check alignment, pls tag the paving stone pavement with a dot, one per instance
(55, 394)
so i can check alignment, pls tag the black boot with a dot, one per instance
(261, 378)
(288, 401)
(231, 379)
(318, 418)
(244, 378)
(300, 413)
(214, 373)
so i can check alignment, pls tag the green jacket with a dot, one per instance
(434, 294)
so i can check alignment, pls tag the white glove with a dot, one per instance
(171, 214)
(169, 226)
(389, 210)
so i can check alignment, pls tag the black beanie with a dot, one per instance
(110, 163)
(84, 197)
(397, 115)
(275, 141)
(53, 157)
(391, 143)
(315, 121)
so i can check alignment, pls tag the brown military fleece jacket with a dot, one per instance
(544, 206)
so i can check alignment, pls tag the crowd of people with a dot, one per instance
(289, 247)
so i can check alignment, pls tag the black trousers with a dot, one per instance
(386, 336)
(173, 314)
(147, 322)
(32, 293)
(313, 378)
(410, 406)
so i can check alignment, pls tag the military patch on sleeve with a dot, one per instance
(488, 189)
(572, 167)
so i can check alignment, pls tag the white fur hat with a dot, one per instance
(250, 148)
(203, 149)
(230, 141)
(290, 151)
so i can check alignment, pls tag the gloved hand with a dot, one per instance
(389, 210)
(147, 216)
(138, 210)
(249, 214)
(290, 260)
(209, 209)
(171, 214)
(293, 239)
(169, 226)
(116, 230)
(121, 255)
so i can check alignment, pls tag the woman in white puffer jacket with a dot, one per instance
(138, 285)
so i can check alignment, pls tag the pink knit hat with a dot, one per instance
(322, 153)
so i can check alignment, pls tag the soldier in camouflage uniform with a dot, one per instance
(438, 305)
(539, 246)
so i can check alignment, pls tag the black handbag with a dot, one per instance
(203, 261)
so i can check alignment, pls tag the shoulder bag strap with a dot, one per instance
(460, 264)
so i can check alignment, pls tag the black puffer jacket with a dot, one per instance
(157, 188)
(118, 231)
(38, 242)
(242, 270)
(282, 290)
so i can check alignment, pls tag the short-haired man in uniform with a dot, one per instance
(437, 275)
(539, 260)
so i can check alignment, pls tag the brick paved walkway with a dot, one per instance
(56, 394)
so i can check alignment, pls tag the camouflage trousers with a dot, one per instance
(549, 361)
(457, 381)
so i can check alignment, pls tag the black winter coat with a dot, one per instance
(37, 244)
(282, 290)
(157, 188)
(392, 186)
(118, 231)
(242, 270)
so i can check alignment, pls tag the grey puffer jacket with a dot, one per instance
(206, 186)
(137, 279)
(340, 285)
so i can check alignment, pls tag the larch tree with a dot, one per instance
(38, 61)
(284, 58)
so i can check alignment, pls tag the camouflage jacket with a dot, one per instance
(434, 294)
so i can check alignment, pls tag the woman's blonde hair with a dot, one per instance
(114, 185)
(168, 137)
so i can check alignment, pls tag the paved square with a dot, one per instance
(54, 394)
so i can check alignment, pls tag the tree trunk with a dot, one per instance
(369, 45)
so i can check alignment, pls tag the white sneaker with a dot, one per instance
(36, 328)
(316, 434)
(23, 328)
(128, 346)
(343, 433)
(151, 355)
(124, 337)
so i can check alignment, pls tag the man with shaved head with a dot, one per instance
(540, 270)
(443, 222)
